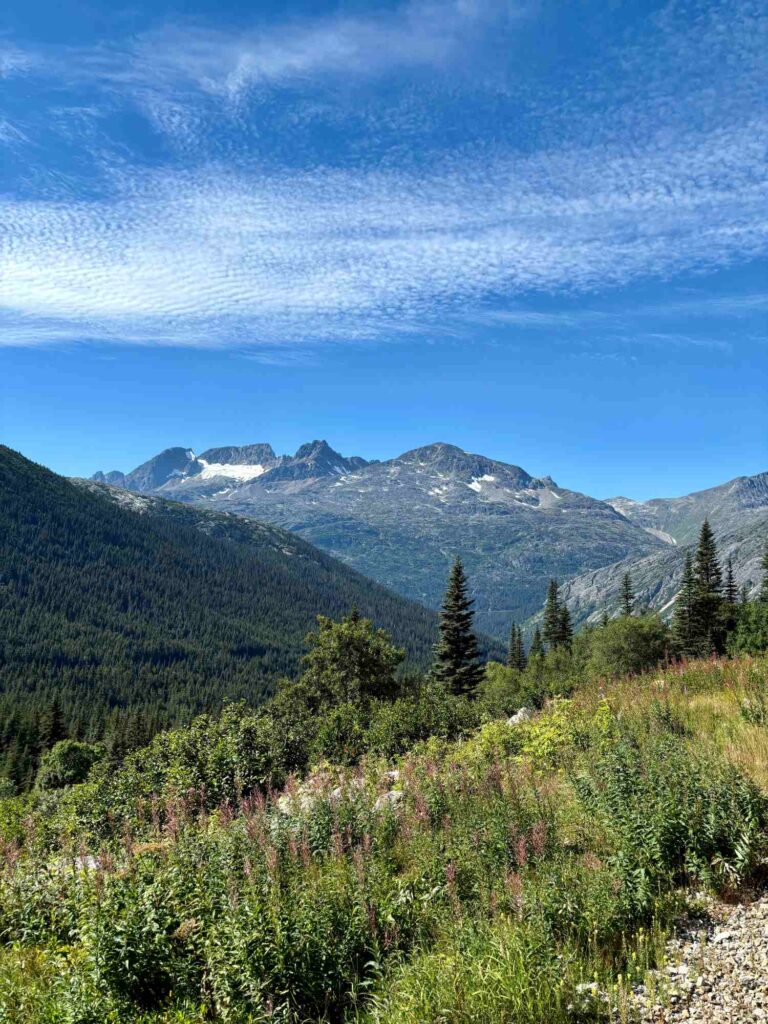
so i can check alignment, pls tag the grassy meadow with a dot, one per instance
(494, 876)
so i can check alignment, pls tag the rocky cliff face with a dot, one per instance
(657, 577)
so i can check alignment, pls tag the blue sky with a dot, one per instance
(535, 229)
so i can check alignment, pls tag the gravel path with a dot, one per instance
(717, 970)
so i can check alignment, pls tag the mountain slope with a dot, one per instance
(727, 507)
(111, 599)
(402, 521)
(657, 577)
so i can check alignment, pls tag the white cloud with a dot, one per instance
(232, 254)
(14, 61)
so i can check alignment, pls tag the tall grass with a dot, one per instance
(519, 867)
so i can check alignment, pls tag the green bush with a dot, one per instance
(67, 763)
(627, 646)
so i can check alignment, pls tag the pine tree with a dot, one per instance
(730, 599)
(744, 594)
(683, 623)
(516, 654)
(565, 635)
(552, 624)
(730, 590)
(51, 727)
(627, 594)
(522, 658)
(762, 596)
(536, 650)
(456, 653)
(709, 593)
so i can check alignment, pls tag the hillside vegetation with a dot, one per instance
(121, 614)
(484, 842)
(490, 870)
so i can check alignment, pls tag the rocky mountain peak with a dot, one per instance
(449, 459)
(240, 455)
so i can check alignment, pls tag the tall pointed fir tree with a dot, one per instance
(516, 654)
(762, 596)
(536, 650)
(684, 635)
(709, 593)
(457, 658)
(565, 635)
(627, 594)
(730, 599)
(552, 625)
(730, 590)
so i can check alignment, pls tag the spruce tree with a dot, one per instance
(52, 727)
(512, 646)
(762, 596)
(684, 633)
(730, 590)
(627, 594)
(456, 653)
(552, 625)
(516, 654)
(709, 593)
(536, 650)
(565, 636)
(730, 599)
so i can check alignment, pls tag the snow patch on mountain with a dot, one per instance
(217, 469)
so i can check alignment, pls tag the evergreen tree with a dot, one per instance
(536, 650)
(762, 596)
(51, 727)
(730, 590)
(565, 635)
(522, 657)
(709, 593)
(627, 594)
(552, 626)
(684, 632)
(456, 653)
(730, 599)
(516, 654)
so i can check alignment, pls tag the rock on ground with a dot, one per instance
(717, 970)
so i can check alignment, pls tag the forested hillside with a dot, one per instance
(121, 614)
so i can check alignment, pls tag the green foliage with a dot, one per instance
(457, 655)
(115, 624)
(627, 594)
(350, 661)
(516, 657)
(396, 726)
(517, 864)
(750, 634)
(557, 630)
(505, 690)
(709, 592)
(67, 763)
(627, 646)
(685, 631)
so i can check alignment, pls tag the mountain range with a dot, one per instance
(401, 521)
